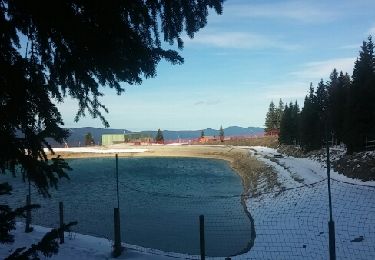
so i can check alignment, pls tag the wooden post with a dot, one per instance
(201, 236)
(61, 213)
(28, 215)
(117, 248)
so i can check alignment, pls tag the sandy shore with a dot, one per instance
(248, 168)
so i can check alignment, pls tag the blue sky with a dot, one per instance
(257, 51)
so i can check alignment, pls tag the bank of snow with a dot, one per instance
(82, 247)
(97, 150)
(292, 223)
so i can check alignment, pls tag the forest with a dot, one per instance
(338, 111)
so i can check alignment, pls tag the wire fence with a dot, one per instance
(282, 224)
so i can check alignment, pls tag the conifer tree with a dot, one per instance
(285, 126)
(271, 118)
(321, 107)
(89, 140)
(279, 113)
(360, 123)
(289, 126)
(337, 105)
(74, 48)
(221, 133)
(309, 123)
(159, 138)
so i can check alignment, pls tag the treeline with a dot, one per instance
(341, 110)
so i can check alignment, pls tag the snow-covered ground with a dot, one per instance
(81, 247)
(293, 224)
(97, 150)
(290, 223)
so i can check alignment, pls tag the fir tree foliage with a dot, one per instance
(274, 116)
(360, 124)
(289, 125)
(271, 118)
(279, 113)
(74, 48)
(221, 133)
(339, 110)
(159, 138)
(89, 139)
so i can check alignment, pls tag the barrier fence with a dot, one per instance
(282, 224)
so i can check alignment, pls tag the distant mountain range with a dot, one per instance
(77, 135)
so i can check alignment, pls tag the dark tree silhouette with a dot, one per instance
(271, 122)
(73, 48)
(89, 140)
(360, 123)
(221, 133)
(159, 138)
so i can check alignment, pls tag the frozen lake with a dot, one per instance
(160, 203)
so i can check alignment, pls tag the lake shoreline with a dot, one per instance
(246, 166)
(238, 157)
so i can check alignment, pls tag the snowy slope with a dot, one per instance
(293, 224)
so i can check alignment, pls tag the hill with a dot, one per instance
(77, 135)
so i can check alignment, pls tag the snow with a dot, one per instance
(97, 150)
(290, 223)
(81, 247)
(293, 224)
(306, 170)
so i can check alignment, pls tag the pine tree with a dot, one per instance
(289, 133)
(159, 138)
(271, 118)
(89, 140)
(279, 113)
(310, 138)
(360, 123)
(295, 116)
(221, 134)
(202, 134)
(337, 105)
(321, 107)
(285, 126)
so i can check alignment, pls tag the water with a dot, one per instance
(160, 203)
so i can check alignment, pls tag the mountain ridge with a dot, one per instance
(77, 135)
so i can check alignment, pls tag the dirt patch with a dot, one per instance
(268, 141)
(358, 166)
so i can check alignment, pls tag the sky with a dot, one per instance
(255, 52)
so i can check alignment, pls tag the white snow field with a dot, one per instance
(97, 150)
(291, 221)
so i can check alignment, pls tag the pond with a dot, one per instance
(160, 202)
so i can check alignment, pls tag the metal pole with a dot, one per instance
(118, 197)
(117, 248)
(28, 228)
(201, 235)
(61, 215)
(331, 223)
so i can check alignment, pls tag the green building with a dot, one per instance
(109, 139)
